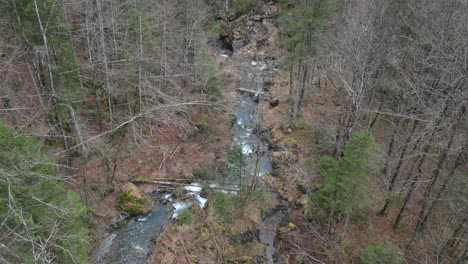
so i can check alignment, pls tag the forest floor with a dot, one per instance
(173, 153)
(307, 240)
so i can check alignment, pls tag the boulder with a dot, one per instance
(133, 201)
(274, 103)
(245, 237)
(256, 17)
(238, 44)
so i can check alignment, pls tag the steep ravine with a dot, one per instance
(134, 241)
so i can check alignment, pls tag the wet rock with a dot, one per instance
(201, 128)
(206, 192)
(224, 43)
(133, 201)
(302, 187)
(268, 81)
(261, 42)
(274, 103)
(232, 119)
(183, 137)
(272, 57)
(245, 237)
(256, 17)
(269, 10)
(238, 44)
(302, 201)
(256, 99)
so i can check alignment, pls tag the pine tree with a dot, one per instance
(237, 162)
(346, 178)
(42, 221)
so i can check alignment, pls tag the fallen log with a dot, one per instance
(173, 183)
(251, 91)
(149, 180)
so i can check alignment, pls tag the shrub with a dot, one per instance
(230, 206)
(224, 206)
(376, 254)
(200, 173)
(324, 139)
(185, 217)
(243, 6)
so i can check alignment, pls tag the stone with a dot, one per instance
(274, 103)
(256, 99)
(268, 81)
(238, 44)
(256, 17)
(133, 201)
(183, 137)
(245, 237)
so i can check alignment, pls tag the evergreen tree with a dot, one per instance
(346, 178)
(42, 221)
(300, 27)
(237, 162)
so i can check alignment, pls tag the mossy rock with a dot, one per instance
(133, 201)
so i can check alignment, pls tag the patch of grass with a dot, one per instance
(230, 207)
(215, 30)
(200, 173)
(224, 205)
(377, 254)
(243, 6)
(303, 131)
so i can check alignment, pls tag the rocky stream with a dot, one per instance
(133, 241)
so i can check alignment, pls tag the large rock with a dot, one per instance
(274, 103)
(269, 10)
(133, 201)
(238, 44)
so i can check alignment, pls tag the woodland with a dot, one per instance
(109, 107)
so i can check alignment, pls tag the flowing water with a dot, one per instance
(133, 242)
(248, 119)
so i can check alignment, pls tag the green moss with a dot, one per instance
(144, 180)
(131, 204)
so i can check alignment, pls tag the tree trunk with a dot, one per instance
(295, 107)
(435, 176)
(419, 169)
(105, 59)
(33, 81)
(372, 123)
(397, 170)
(456, 235)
